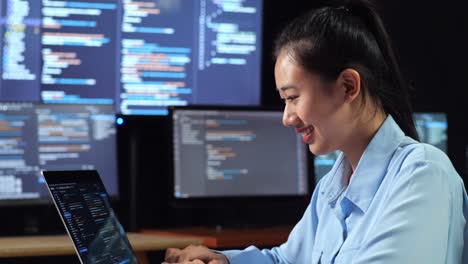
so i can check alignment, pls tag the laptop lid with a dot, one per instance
(85, 209)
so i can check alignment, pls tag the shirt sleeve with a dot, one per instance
(414, 227)
(296, 250)
(465, 232)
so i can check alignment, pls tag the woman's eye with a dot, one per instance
(291, 98)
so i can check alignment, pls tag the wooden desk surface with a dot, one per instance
(33, 246)
(230, 237)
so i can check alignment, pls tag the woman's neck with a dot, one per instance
(362, 132)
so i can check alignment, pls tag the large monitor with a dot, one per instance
(140, 55)
(237, 152)
(35, 137)
(430, 126)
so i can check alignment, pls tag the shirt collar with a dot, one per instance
(370, 170)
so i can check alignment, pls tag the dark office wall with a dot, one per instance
(431, 38)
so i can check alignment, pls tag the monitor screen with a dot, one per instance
(232, 153)
(431, 128)
(38, 137)
(324, 163)
(140, 55)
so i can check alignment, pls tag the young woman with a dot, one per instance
(388, 199)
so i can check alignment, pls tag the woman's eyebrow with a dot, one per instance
(286, 87)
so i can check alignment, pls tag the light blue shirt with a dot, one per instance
(405, 203)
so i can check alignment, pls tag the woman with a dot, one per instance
(388, 198)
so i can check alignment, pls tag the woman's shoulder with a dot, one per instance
(411, 152)
(412, 156)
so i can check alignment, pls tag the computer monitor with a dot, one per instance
(324, 163)
(236, 152)
(430, 126)
(190, 52)
(35, 137)
(141, 56)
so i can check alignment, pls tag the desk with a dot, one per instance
(35, 246)
(230, 237)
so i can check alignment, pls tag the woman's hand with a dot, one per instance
(194, 255)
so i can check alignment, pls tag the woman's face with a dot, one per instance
(315, 108)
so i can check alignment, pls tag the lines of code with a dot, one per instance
(139, 55)
(54, 137)
(215, 154)
(77, 50)
(16, 129)
(20, 49)
(90, 220)
(156, 56)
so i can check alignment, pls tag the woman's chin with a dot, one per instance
(314, 149)
(318, 150)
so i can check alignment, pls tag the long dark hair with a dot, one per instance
(331, 39)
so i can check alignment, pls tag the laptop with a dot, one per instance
(85, 209)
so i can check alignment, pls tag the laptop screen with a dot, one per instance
(84, 206)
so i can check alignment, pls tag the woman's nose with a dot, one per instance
(289, 117)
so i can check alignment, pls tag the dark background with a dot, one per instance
(431, 40)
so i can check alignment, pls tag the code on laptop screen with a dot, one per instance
(89, 218)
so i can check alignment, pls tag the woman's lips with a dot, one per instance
(306, 133)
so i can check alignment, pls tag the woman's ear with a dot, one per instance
(350, 81)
